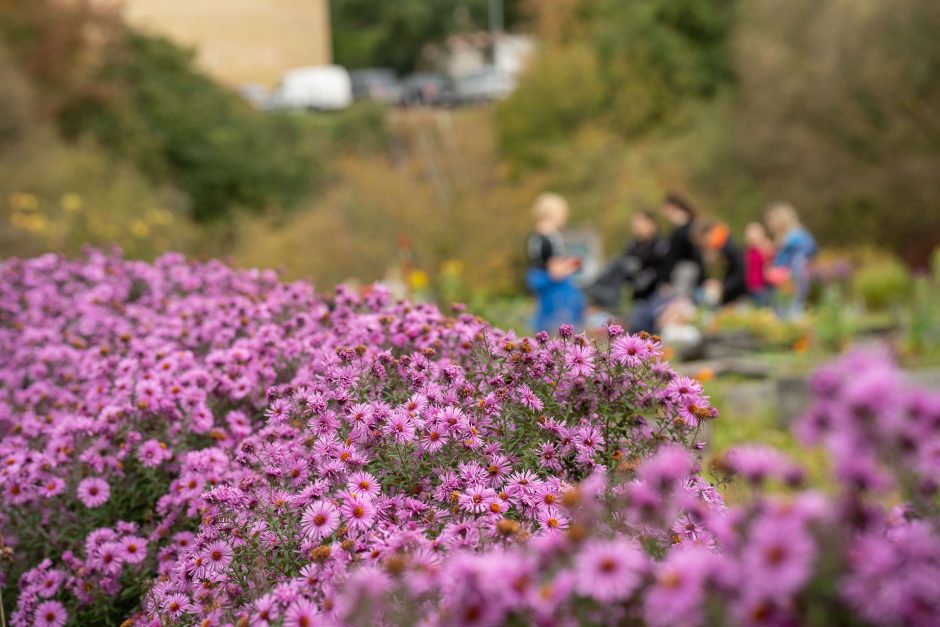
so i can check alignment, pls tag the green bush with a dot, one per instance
(881, 283)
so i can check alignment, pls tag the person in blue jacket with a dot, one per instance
(550, 269)
(791, 265)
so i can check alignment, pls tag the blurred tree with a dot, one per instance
(142, 99)
(839, 111)
(367, 33)
(647, 59)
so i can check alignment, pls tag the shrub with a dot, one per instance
(882, 283)
(240, 450)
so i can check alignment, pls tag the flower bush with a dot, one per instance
(185, 443)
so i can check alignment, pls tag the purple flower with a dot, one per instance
(319, 520)
(609, 570)
(217, 556)
(93, 492)
(50, 614)
(630, 350)
(677, 596)
(301, 613)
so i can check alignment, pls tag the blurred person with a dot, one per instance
(725, 261)
(757, 256)
(682, 267)
(790, 266)
(640, 265)
(550, 269)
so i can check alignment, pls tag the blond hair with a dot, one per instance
(784, 215)
(549, 205)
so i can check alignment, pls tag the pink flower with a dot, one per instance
(50, 614)
(133, 550)
(630, 350)
(476, 499)
(677, 597)
(778, 558)
(579, 359)
(359, 514)
(301, 613)
(217, 556)
(319, 520)
(363, 484)
(93, 491)
(609, 570)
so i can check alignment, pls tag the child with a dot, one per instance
(757, 255)
(550, 268)
(791, 263)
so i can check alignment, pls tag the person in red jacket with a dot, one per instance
(757, 256)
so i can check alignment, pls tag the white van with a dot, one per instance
(323, 88)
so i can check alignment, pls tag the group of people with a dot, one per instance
(697, 262)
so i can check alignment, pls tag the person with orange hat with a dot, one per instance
(725, 259)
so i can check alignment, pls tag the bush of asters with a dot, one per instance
(356, 461)
(645, 542)
(132, 391)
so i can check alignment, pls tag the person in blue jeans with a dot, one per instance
(550, 269)
(791, 265)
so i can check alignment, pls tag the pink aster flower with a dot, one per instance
(93, 491)
(217, 556)
(50, 614)
(778, 558)
(528, 398)
(319, 520)
(152, 453)
(110, 557)
(433, 439)
(301, 613)
(579, 359)
(133, 550)
(630, 350)
(359, 514)
(363, 484)
(175, 605)
(552, 520)
(477, 498)
(677, 596)
(609, 570)
(53, 486)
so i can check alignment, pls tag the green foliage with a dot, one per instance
(628, 66)
(882, 283)
(367, 33)
(142, 99)
(178, 125)
(561, 92)
(834, 327)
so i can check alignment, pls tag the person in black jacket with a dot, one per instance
(725, 260)
(682, 267)
(640, 265)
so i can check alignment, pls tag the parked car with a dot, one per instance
(485, 85)
(428, 89)
(377, 85)
(321, 88)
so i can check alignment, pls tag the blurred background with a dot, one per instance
(363, 140)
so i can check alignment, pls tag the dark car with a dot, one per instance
(377, 85)
(428, 89)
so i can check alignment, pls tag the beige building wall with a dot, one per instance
(241, 41)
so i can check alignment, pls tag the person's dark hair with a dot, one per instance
(681, 203)
(646, 213)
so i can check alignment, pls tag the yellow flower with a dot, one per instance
(452, 267)
(418, 279)
(72, 203)
(140, 228)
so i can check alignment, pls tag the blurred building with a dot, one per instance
(240, 41)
